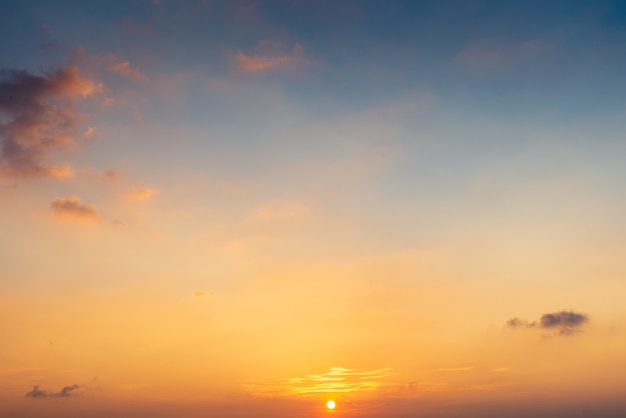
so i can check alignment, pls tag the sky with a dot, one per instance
(242, 208)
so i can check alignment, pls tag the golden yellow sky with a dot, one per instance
(245, 209)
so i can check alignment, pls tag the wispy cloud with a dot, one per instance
(37, 118)
(136, 193)
(456, 369)
(272, 56)
(124, 68)
(562, 322)
(65, 392)
(336, 380)
(71, 207)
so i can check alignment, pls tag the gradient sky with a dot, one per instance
(247, 208)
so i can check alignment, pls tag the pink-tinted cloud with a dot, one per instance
(126, 70)
(115, 64)
(89, 132)
(38, 118)
(71, 207)
(272, 56)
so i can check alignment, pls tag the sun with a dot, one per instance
(330, 404)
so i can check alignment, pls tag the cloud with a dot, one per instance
(201, 293)
(111, 175)
(336, 380)
(566, 323)
(272, 56)
(111, 63)
(127, 71)
(35, 118)
(72, 207)
(456, 369)
(89, 132)
(562, 322)
(65, 392)
(140, 193)
(517, 322)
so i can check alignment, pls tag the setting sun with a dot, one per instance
(330, 404)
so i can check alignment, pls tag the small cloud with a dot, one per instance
(501, 369)
(65, 392)
(89, 132)
(140, 193)
(456, 369)
(57, 171)
(565, 322)
(71, 207)
(517, 322)
(69, 390)
(118, 65)
(272, 56)
(204, 294)
(111, 175)
(562, 322)
(36, 393)
(126, 70)
(117, 222)
(563, 319)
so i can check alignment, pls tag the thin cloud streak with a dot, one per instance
(272, 56)
(336, 380)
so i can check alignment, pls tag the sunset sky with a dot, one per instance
(238, 208)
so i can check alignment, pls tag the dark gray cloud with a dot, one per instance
(37, 393)
(517, 322)
(36, 117)
(562, 322)
(563, 318)
(65, 392)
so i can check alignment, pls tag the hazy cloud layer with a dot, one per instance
(73, 208)
(66, 391)
(562, 322)
(36, 117)
(336, 380)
